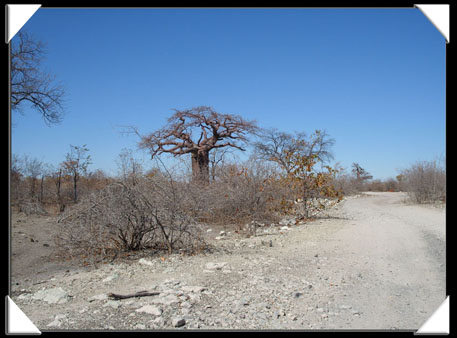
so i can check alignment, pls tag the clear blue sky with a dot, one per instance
(374, 79)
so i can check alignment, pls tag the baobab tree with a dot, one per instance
(197, 131)
(360, 173)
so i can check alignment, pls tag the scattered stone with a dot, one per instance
(150, 309)
(215, 266)
(110, 278)
(24, 296)
(102, 296)
(243, 301)
(293, 317)
(145, 262)
(51, 296)
(178, 322)
(167, 300)
(57, 320)
(112, 303)
(194, 289)
(296, 294)
(55, 323)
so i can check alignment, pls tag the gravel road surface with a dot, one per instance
(373, 262)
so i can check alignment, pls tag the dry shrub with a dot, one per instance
(425, 182)
(238, 195)
(32, 208)
(128, 217)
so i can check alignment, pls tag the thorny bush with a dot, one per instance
(128, 216)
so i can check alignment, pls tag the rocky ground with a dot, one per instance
(373, 262)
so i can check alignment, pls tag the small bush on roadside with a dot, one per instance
(425, 182)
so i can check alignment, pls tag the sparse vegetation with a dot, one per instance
(425, 181)
(101, 216)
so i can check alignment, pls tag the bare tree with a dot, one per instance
(29, 83)
(33, 169)
(45, 172)
(129, 168)
(276, 145)
(76, 164)
(16, 176)
(217, 159)
(361, 174)
(57, 175)
(197, 131)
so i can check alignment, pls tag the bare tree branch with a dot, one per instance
(29, 83)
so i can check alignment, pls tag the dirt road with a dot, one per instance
(374, 262)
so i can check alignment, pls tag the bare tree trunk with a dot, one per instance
(41, 189)
(200, 167)
(75, 188)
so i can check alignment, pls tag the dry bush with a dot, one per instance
(30, 207)
(425, 182)
(239, 194)
(347, 184)
(129, 217)
(390, 185)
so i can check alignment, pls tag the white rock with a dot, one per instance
(110, 278)
(51, 296)
(153, 310)
(215, 266)
(112, 303)
(101, 296)
(145, 262)
(194, 289)
(167, 300)
(159, 321)
(24, 296)
(55, 323)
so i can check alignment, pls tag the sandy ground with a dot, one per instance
(374, 262)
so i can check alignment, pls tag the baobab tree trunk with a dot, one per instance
(200, 167)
